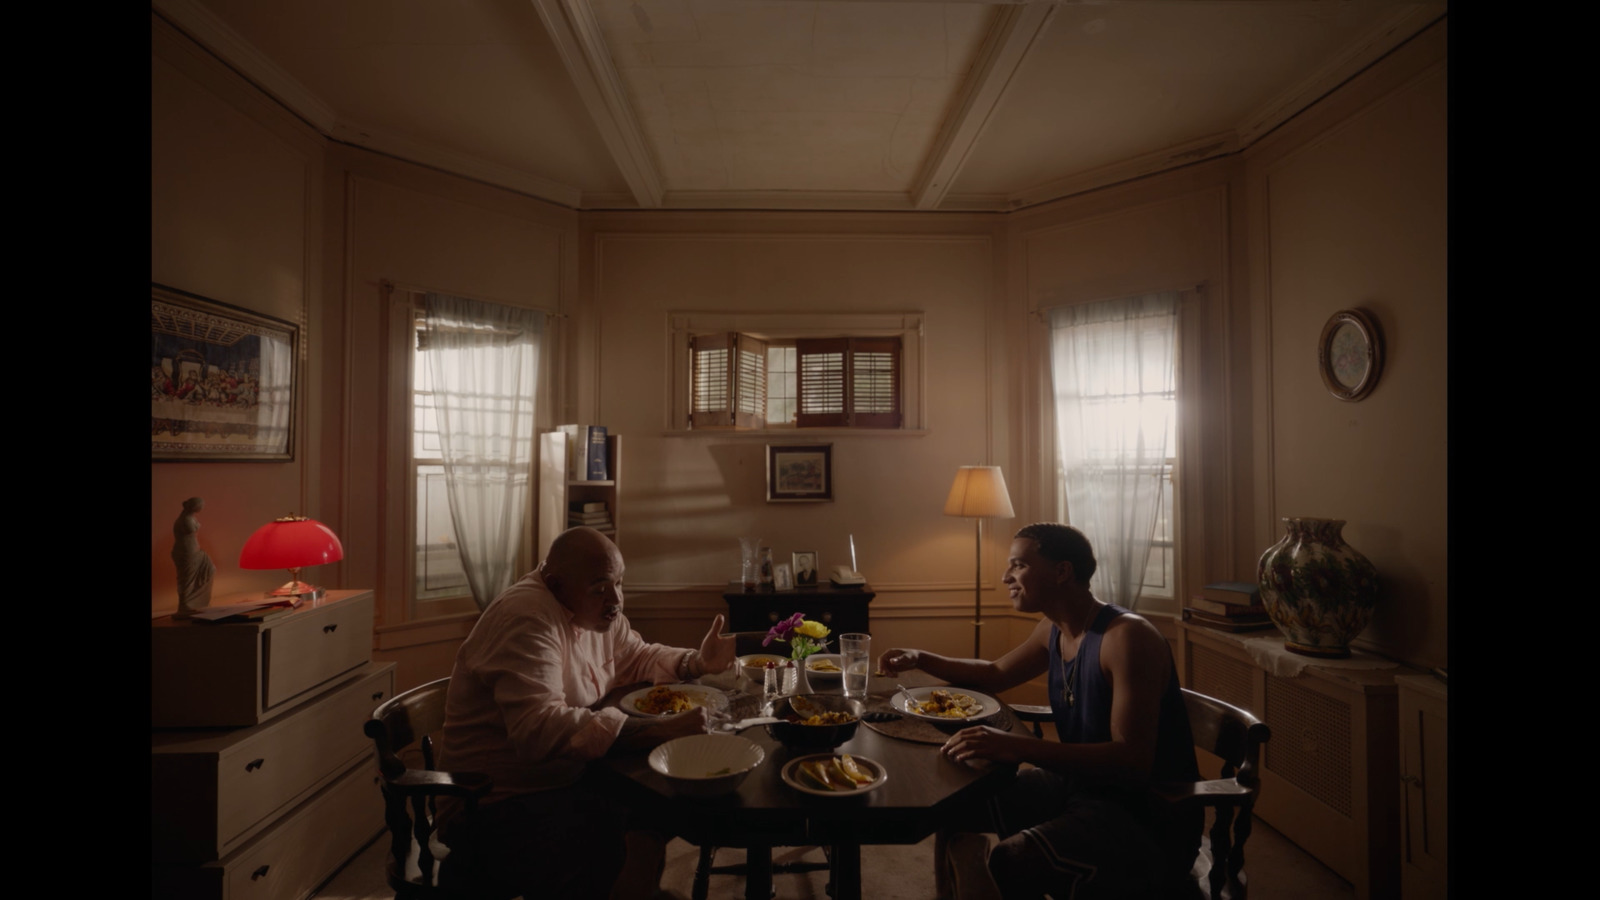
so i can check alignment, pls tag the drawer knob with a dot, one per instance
(772, 617)
(259, 873)
(254, 765)
(328, 629)
(378, 696)
(827, 617)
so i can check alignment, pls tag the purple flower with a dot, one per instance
(781, 631)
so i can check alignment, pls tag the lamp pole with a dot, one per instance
(977, 596)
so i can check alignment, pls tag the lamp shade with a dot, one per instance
(290, 543)
(979, 492)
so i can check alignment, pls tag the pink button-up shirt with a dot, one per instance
(518, 705)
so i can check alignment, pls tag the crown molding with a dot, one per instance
(1004, 49)
(454, 163)
(212, 33)
(577, 36)
(1400, 26)
(1194, 151)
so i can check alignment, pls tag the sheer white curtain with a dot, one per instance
(1112, 368)
(483, 359)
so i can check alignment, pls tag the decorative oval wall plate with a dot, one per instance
(1350, 354)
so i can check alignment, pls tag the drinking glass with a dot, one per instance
(856, 650)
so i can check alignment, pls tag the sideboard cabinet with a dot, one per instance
(271, 785)
(1328, 774)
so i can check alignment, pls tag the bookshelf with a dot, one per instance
(558, 488)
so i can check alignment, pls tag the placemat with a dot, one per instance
(882, 718)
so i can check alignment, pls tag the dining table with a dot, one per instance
(922, 791)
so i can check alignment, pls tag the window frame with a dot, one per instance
(399, 578)
(783, 328)
(1185, 454)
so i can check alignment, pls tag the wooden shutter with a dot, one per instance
(750, 383)
(875, 382)
(728, 381)
(711, 384)
(822, 386)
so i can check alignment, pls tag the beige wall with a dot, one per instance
(235, 217)
(1343, 207)
(687, 498)
(1350, 211)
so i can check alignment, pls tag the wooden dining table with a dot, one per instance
(923, 792)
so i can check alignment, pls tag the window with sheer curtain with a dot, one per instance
(1113, 376)
(475, 383)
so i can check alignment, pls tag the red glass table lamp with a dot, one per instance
(292, 543)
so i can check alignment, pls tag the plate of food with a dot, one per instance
(834, 775)
(945, 704)
(667, 700)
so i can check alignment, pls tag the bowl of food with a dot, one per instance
(824, 670)
(815, 721)
(707, 765)
(754, 665)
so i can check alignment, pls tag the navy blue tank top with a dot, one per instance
(1087, 720)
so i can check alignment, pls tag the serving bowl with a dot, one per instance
(791, 711)
(707, 765)
(824, 677)
(753, 665)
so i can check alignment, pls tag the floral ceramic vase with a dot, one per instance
(1317, 589)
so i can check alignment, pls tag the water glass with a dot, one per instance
(856, 650)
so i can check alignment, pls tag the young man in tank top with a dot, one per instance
(1079, 820)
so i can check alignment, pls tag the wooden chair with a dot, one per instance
(1234, 735)
(408, 719)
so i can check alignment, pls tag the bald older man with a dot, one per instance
(532, 700)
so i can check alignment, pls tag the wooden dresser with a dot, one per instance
(1328, 775)
(262, 781)
(842, 609)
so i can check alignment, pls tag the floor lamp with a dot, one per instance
(979, 493)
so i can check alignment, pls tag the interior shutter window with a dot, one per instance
(824, 386)
(875, 382)
(750, 383)
(711, 387)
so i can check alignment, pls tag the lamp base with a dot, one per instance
(299, 591)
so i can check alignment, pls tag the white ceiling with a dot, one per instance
(799, 104)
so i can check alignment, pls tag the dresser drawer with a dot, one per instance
(212, 791)
(305, 651)
(298, 853)
(236, 675)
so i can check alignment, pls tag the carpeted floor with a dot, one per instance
(1277, 870)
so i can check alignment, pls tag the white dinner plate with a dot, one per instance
(906, 702)
(698, 695)
(792, 778)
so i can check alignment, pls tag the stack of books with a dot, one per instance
(594, 515)
(257, 611)
(1228, 606)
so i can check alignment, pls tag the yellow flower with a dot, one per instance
(812, 629)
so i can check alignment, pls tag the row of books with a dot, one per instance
(1228, 606)
(586, 453)
(594, 515)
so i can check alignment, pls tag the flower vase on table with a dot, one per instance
(804, 638)
(1317, 589)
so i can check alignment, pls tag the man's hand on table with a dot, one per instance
(643, 734)
(982, 742)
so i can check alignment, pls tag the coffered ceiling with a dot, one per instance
(799, 104)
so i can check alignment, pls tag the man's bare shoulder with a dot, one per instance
(1133, 634)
